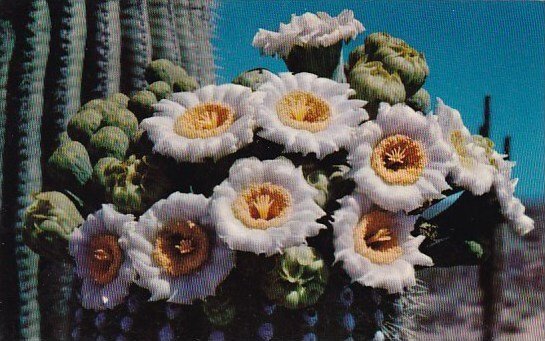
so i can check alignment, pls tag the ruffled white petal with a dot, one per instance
(104, 221)
(474, 171)
(184, 289)
(346, 114)
(160, 127)
(392, 120)
(511, 207)
(309, 29)
(393, 277)
(293, 231)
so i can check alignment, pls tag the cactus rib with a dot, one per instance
(163, 35)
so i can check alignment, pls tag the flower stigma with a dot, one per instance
(303, 110)
(204, 120)
(398, 160)
(374, 240)
(105, 258)
(261, 206)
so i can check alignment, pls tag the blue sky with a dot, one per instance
(472, 49)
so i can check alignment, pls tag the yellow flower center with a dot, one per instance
(399, 160)
(303, 110)
(104, 258)
(374, 239)
(181, 248)
(261, 206)
(204, 120)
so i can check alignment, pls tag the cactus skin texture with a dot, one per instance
(102, 61)
(136, 42)
(163, 31)
(6, 48)
(22, 155)
(195, 25)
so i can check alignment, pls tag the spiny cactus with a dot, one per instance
(22, 153)
(163, 31)
(136, 42)
(102, 62)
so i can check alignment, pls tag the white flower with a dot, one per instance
(375, 246)
(265, 206)
(213, 121)
(511, 207)
(400, 161)
(471, 167)
(307, 114)
(101, 262)
(309, 29)
(176, 252)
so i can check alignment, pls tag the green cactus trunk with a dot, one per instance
(195, 25)
(22, 175)
(6, 48)
(135, 39)
(101, 74)
(163, 31)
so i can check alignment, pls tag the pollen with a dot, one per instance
(459, 143)
(104, 258)
(374, 238)
(205, 120)
(304, 111)
(399, 160)
(181, 249)
(261, 206)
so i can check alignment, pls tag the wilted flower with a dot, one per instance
(298, 279)
(310, 42)
(70, 165)
(307, 114)
(356, 56)
(471, 165)
(212, 122)
(400, 160)
(101, 260)
(265, 206)
(49, 222)
(375, 247)
(420, 101)
(397, 56)
(175, 250)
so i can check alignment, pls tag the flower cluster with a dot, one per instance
(287, 145)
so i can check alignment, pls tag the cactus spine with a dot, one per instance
(195, 44)
(163, 31)
(22, 157)
(102, 61)
(135, 39)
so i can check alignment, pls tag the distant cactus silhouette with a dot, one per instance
(54, 56)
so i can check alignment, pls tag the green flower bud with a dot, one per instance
(101, 105)
(83, 125)
(298, 279)
(319, 180)
(109, 141)
(70, 165)
(398, 56)
(160, 89)
(135, 184)
(141, 104)
(356, 55)
(63, 138)
(420, 101)
(49, 222)
(120, 99)
(219, 310)
(253, 78)
(102, 170)
(182, 84)
(375, 84)
(160, 70)
(475, 248)
(124, 119)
